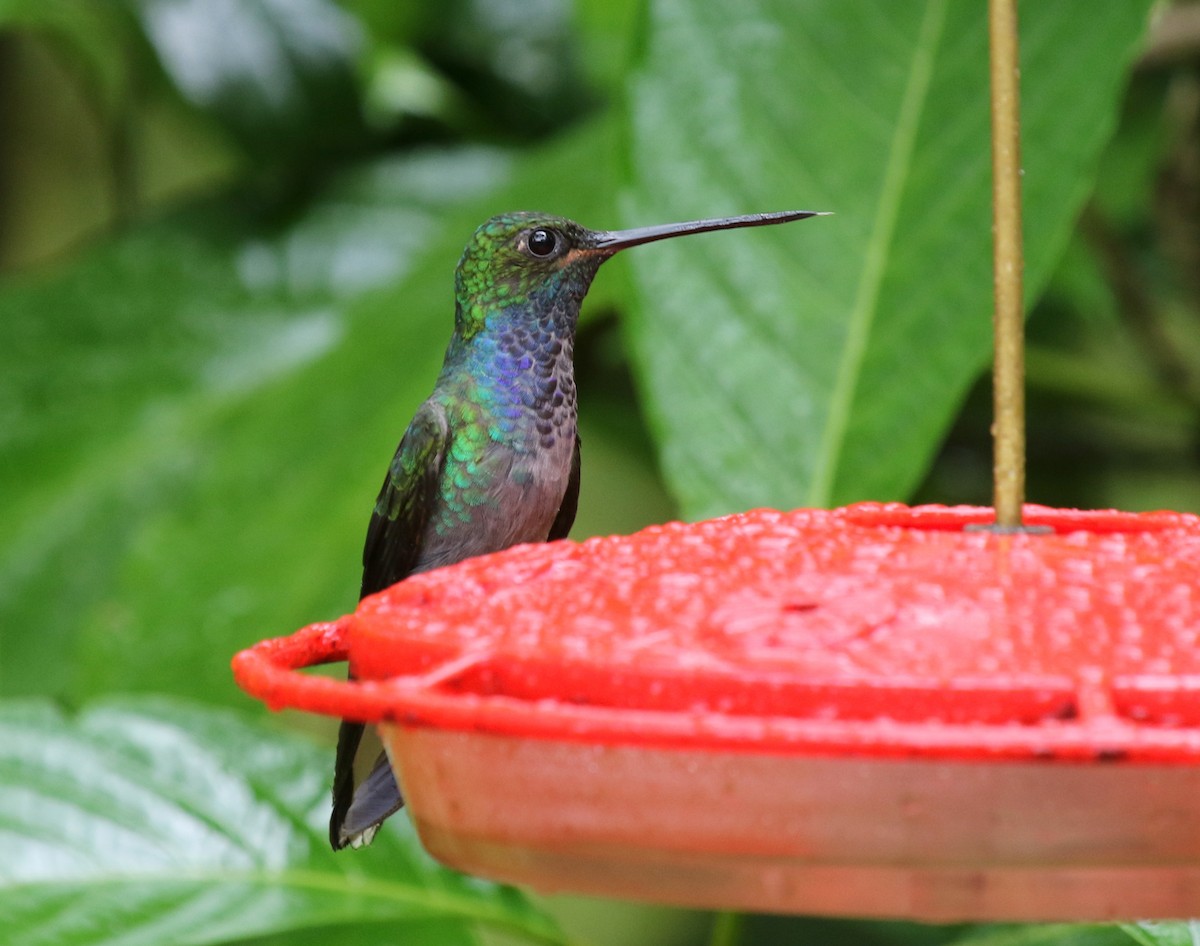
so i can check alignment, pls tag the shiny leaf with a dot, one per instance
(150, 822)
(1181, 933)
(821, 362)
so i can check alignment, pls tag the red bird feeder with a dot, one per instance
(864, 711)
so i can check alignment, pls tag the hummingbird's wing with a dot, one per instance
(364, 790)
(570, 503)
(406, 500)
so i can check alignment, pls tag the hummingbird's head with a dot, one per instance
(534, 265)
(526, 261)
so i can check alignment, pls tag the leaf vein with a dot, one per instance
(862, 315)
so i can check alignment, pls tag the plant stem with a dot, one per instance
(1008, 396)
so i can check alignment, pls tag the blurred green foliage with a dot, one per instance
(227, 233)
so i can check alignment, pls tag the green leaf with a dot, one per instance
(278, 74)
(100, 37)
(1183, 933)
(516, 61)
(821, 362)
(1046, 934)
(152, 822)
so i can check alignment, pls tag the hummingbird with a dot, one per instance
(491, 458)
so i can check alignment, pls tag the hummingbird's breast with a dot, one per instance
(512, 441)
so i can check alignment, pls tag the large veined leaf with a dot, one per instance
(820, 362)
(154, 822)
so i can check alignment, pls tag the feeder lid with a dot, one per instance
(874, 629)
(833, 671)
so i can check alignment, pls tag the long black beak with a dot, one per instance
(619, 239)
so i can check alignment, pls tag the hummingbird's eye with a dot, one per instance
(542, 243)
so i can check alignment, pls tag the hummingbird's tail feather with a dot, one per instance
(377, 798)
(362, 798)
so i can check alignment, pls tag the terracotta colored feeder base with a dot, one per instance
(867, 711)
